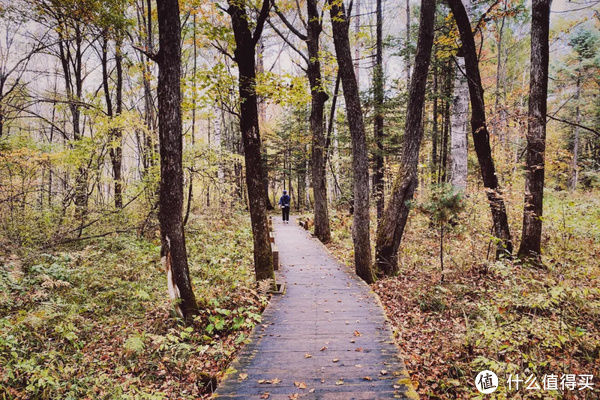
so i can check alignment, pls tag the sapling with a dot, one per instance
(443, 206)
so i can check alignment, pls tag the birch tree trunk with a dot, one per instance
(458, 132)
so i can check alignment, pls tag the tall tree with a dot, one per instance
(391, 227)
(481, 136)
(360, 159)
(244, 56)
(378, 94)
(536, 132)
(314, 27)
(458, 131)
(173, 252)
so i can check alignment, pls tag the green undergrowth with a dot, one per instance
(93, 320)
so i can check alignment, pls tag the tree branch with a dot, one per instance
(289, 24)
(260, 21)
(564, 121)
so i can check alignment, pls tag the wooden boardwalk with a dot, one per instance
(325, 338)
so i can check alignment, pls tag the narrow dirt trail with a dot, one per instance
(325, 338)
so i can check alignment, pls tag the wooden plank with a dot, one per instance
(275, 252)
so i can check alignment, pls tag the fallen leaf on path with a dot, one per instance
(359, 349)
(383, 372)
(300, 385)
(356, 333)
(335, 360)
(339, 382)
(265, 395)
(243, 377)
(323, 348)
(293, 396)
(368, 378)
(307, 355)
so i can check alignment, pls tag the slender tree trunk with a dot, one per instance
(378, 95)
(407, 55)
(481, 137)
(190, 196)
(458, 131)
(360, 159)
(446, 123)
(391, 228)
(536, 132)
(434, 131)
(575, 160)
(318, 99)
(255, 174)
(262, 119)
(173, 252)
(499, 124)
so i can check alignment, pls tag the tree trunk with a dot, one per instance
(378, 95)
(318, 99)
(407, 55)
(395, 215)
(536, 132)
(458, 131)
(360, 159)
(445, 123)
(262, 119)
(575, 160)
(481, 137)
(434, 128)
(173, 252)
(255, 174)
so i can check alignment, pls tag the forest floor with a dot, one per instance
(502, 316)
(325, 338)
(93, 321)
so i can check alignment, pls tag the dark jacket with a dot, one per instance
(284, 200)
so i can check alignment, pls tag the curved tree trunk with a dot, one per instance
(255, 173)
(360, 158)
(481, 137)
(391, 228)
(536, 132)
(173, 252)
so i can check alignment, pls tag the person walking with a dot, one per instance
(284, 203)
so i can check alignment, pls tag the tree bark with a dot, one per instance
(481, 137)
(378, 95)
(530, 247)
(458, 131)
(395, 215)
(173, 252)
(255, 174)
(360, 159)
(318, 99)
